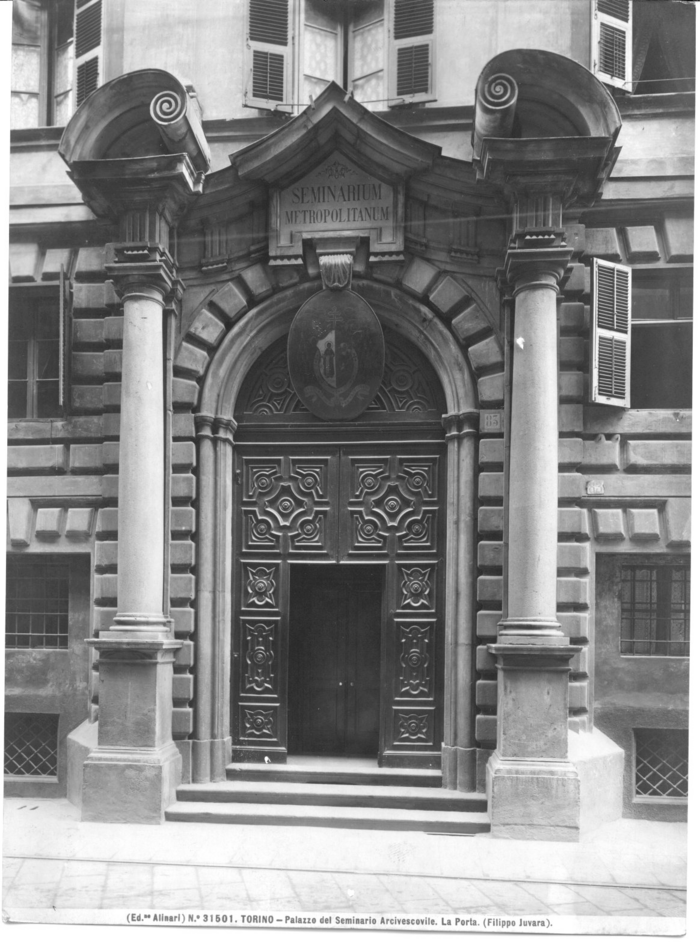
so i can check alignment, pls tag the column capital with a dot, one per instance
(143, 268)
(460, 424)
(536, 267)
(224, 428)
(204, 425)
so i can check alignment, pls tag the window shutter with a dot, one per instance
(611, 42)
(611, 313)
(413, 25)
(267, 83)
(322, 49)
(367, 52)
(64, 337)
(88, 48)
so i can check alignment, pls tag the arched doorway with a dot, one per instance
(222, 446)
(338, 589)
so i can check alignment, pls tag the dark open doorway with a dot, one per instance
(334, 659)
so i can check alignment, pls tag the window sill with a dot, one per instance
(654, 657)
(671, 422)
(658, 800)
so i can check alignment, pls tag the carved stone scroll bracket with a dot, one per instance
(336, 271)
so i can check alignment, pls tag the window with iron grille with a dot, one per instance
(31, 744)
(36, 602)
(655, 607)
(661, 763)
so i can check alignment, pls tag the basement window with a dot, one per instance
(661, 764)
(31, 745)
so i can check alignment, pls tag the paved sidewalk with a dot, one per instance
(54, 861)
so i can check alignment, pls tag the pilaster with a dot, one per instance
(459, 744)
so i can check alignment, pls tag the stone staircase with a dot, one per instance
(341, 793)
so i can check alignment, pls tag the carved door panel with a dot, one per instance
(390, 509)
(334, 660)
(352, 504)
(286, 509)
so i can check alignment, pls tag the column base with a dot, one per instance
(458, 768)
(530, 631)
(209, 759)
(533, 799)
(130, 786)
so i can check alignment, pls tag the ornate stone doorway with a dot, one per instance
(244, 380)
(316, 494)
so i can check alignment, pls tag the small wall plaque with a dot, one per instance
(491, 422)
(595, 487)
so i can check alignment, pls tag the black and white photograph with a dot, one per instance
(349, 354)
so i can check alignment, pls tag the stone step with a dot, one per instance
(348, 773)
(333, 795)
(380, 819)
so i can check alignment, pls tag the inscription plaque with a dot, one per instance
(341, 198)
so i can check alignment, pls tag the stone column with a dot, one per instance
(533, 790)
(459, 746)
(133, 773)
(534, 442)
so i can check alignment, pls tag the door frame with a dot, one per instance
(215, 428)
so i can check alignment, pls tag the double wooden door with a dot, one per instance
(335, 628)
(338, 601)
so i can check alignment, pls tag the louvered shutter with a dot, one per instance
(412, 65)
(611, 314)
(88, 48)
(64, 337)
(268, 61)
(611, 42)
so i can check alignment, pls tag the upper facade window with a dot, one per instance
(655, 606)
(56, 53)
(34, 355)
(36, 604)
(380, 50)
(642, 47)
(642, 344)
(662, 339)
